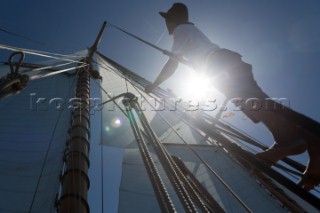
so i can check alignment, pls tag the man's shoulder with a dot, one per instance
(185, 28)
(188, 26)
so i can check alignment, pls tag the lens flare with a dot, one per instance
(116, 122)
(110, 128)
(107, 129)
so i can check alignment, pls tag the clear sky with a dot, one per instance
(281, 39)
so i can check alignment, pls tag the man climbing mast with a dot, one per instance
(234, 78)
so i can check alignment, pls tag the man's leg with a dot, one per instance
(287, 141)
(311, 176)
(291, 139)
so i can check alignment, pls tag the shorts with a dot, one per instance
(239, 85)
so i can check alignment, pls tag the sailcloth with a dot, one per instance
(180, 139)
(34, 131)
(33, 135)
(116, 130)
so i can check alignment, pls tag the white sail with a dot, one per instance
(33, 135)
(136, 191)
(34, 131)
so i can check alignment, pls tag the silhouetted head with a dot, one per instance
(177, 14)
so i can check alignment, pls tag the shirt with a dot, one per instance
(192, 44)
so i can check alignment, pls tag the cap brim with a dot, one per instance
(163, 14)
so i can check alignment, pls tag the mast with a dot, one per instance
(75, 181)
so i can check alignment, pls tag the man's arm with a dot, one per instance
(167, 71)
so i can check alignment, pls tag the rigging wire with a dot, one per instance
(45, 68)
(182, 60)
(111, 99)
(57, 72)
(176, 179)
(174, 130)
(121, 74)
(106, 93)
(48, 150)
(126, 32)
(165, 52)
(170, 54)
(42, 54)
(199, 157)
(261, 144)
(290, 172)
(106, 67)
(126, 84)
(162, 195)
(205, 163)
(31, 39)
(245, 134)
(102, 175)
(20, 36)
(242, 132)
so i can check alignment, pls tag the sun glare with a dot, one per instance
(196, 87)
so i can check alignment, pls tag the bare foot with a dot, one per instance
(311, 177)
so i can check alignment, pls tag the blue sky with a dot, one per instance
(281, 39)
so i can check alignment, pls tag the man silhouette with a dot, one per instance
(234, 78)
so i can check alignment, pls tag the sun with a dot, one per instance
(196, 87)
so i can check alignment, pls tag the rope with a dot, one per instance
(195, 153)
(124, 77)
(174, 174)
(164, 199)
(172, 170)
(200, 189)
(260, 145)
(138, 84)
(210, 169)
(253, 142)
